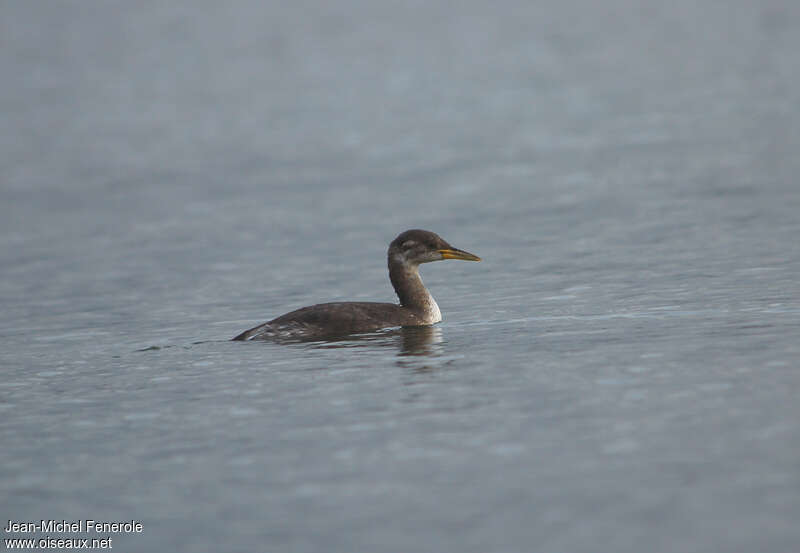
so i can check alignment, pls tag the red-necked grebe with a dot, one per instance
(417, 306)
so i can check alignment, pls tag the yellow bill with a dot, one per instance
(455, 253)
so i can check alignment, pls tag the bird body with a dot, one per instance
(417, 307)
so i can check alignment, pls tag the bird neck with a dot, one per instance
(411, 291)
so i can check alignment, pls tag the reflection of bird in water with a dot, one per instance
(417, 306)
(419, 340)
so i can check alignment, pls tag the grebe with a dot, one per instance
(417, 307)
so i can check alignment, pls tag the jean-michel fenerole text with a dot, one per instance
(73, 526)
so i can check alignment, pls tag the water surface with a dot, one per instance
(618, 374)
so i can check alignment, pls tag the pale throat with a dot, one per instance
(411, 291)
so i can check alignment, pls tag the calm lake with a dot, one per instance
(619, 374)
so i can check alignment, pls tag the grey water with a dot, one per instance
(620, 373)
